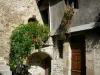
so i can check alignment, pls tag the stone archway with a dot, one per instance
(40, 63)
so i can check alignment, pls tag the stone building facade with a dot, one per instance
(84, 35)
(12, 14)
(92, 53)
(56, 58)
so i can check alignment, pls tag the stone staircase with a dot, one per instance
(4, 69)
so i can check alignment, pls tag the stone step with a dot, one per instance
(5, 73)
(5, 70)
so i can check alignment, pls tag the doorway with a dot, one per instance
(40, 64)
(78, 55)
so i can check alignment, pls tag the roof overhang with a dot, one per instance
(78, 28)
(82, 27)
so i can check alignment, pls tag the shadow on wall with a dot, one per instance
(61, 30)
(43, 6)
(97, 24)
(46, 2)
(94, 35)
(0, 73)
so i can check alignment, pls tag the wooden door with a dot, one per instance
(47, 66)
(76, 62)
(78, 55)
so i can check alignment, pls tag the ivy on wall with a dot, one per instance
(24, 39)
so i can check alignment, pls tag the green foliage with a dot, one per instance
(24, 38)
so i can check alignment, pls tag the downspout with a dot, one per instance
(50, 16)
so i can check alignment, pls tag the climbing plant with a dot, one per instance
(67, 17)
(24, 39)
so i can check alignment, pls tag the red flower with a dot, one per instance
(27, 60)
(34, 40)
(27, 33)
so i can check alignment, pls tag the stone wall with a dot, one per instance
(57, 67)
(86, 13)
(67, 57)
(12, 14)
(57, 63)
(92, 54)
